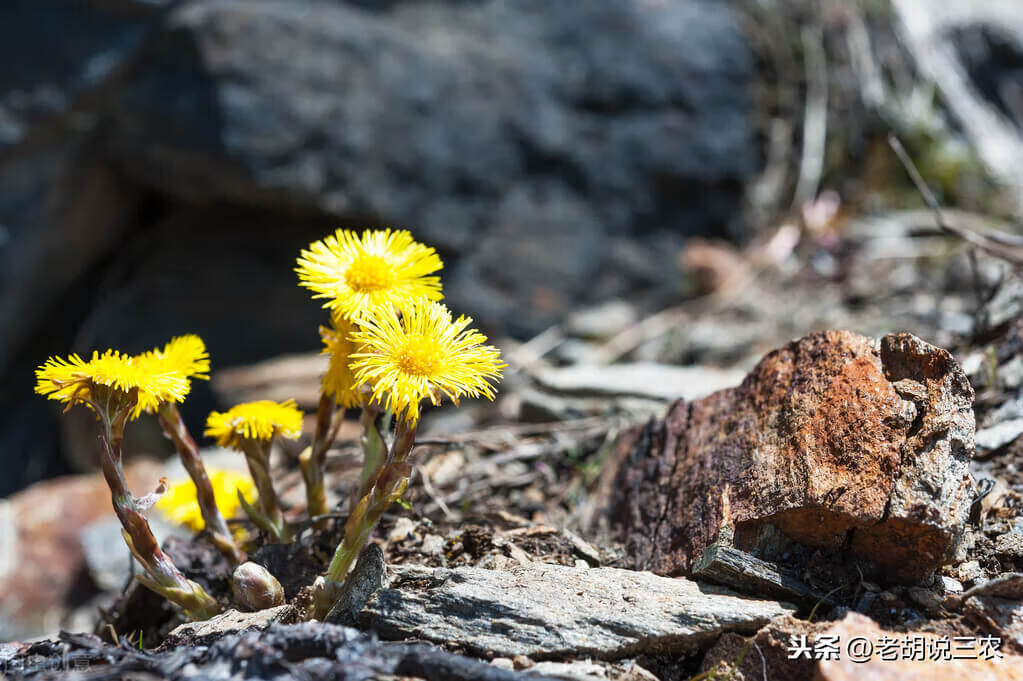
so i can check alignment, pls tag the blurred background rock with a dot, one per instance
(163, 162)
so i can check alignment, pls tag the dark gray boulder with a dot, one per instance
(554, 152)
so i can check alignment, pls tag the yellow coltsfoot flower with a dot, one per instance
(180, 505)
(184, 355)
(262, 420)
(339, 381)
(118, 388)
(74, 380)
(251, 428)
(357, 273)
(418, 352)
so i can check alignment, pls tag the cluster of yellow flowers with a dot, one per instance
(391, 344)
(390, 335)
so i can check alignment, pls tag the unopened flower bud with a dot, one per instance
(255, 588)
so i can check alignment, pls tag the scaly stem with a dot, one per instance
(161, 576)
(389, 484)
(373, 449)
(313, 461)
(175, 429)
(257, 456)
(389, 481)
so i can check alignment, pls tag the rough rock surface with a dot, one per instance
(551, 611)
(516, 121)
(310, 650)
(228, 622)
(835, 440)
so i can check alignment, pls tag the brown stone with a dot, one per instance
(973, 665)
(41, 557)
(835, 440)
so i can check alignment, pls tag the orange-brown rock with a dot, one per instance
(914, 656)
(836, 440)
(41, 557)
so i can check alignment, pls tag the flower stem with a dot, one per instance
(373, 449)
(389, 484)
(313, 461)
(257, 456)
(161, 575)
(175, 429)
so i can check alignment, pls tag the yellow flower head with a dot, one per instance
(185, 356)
(339, 381)
(358, 273)
(260, 420)
(180, 504)
(419, 352)
(74, 380)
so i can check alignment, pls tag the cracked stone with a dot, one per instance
(553, 611)
(835, 440)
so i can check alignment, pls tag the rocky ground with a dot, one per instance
(669, 486)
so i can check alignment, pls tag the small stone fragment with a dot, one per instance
(571, 671)
(433, 545)
(747, 574)
(1000, 616)
(555, 611)
(970, 572)
(1008, 585)
(1010, 544)
(230, 622)
(951, 586)
(254, 588)
(833, 440)
(365, 578)
(998, 435)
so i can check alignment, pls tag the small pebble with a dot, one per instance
(433, 545)
(951, 586)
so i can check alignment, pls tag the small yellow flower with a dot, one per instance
(358, 273)
(180, 505)
(260, 420)
(339, 381)
(74, 380)
(419, 352)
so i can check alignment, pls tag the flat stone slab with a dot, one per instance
(228, 622)
(835, 440)
(553, 611)
(639, 379)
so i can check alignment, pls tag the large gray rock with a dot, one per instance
(553, 152)
(553, 611)
(528, 133)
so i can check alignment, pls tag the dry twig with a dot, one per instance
(1011, 253)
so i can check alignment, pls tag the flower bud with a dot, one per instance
(255, 588)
